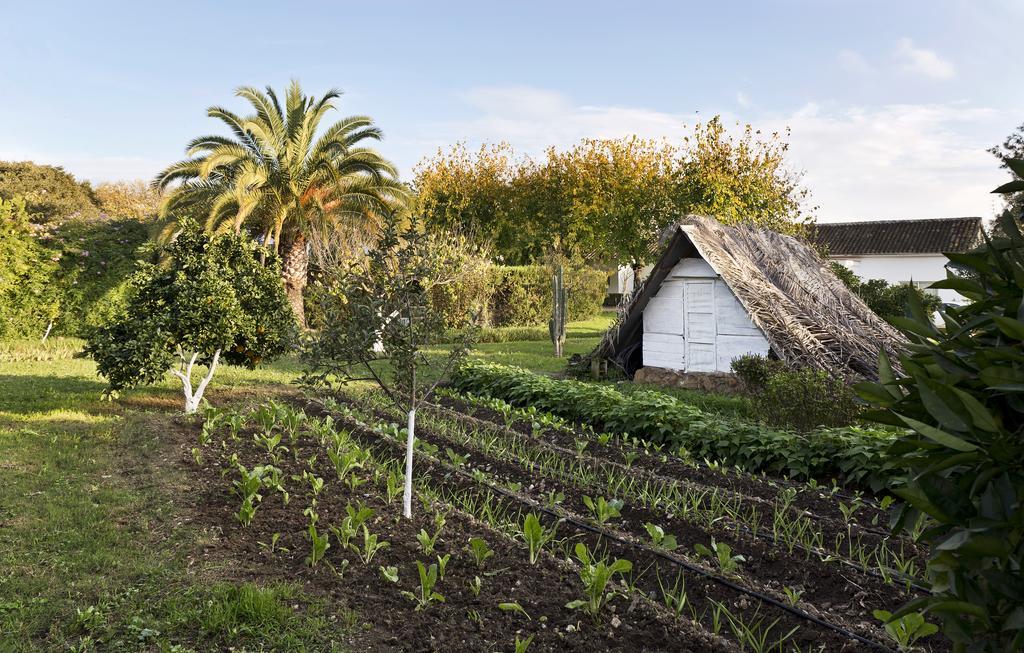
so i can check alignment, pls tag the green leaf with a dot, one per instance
(979, 414)
(937, 435)
(938, 408)
(1011, 327)
(1010, 187)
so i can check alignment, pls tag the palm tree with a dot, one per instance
(276, 177)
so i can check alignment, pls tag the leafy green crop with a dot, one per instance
(596, 574)
(854, 455)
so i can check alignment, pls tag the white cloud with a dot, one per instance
(919, 61)
(895, 161)
(91, 168)
(742, 99)
(854, 62)
(892, 161)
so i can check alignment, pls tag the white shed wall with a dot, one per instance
(694, 323)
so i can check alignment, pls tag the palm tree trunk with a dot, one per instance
(295, 267)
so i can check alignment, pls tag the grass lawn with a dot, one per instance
(96, 548)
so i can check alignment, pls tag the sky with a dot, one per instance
(891, 106)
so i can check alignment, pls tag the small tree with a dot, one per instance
(960, 395)
(378, 324)
(212, 300)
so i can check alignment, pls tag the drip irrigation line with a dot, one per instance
(643, 473)
(842, 495)
(679, 562)
(647, 474)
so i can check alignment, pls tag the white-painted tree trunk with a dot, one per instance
(192, 399)
(47, 334)
(410, 440)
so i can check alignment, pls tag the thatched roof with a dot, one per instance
(809, 317)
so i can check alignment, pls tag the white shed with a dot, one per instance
(694, 323)
(718, 292)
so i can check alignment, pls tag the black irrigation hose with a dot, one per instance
(841, 495)
(800, 614)
(904, 579)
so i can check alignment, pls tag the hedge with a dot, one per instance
(28, 298)
(854, 456)
(521, 294)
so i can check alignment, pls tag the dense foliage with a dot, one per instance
(521, 295)
(96, 259)
(211, 300)
(885, 299)
(855, 456)
(51, 194)
(28, 300)
(605, 202)
(281, 176)
(802, 399)
(961, 393)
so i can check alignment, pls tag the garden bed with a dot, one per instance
(485, 477)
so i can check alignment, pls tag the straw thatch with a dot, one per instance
(809, 317)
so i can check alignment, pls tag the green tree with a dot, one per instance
(29, 301)
(607, 201)
(380, 323)
(51, 194)
(1012, 149)
(959, 391)
(884, 299)
(211, 300)
(280, 176)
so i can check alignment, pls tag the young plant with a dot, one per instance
(481, 552)
(476, 585)
(659, 538)
(722, 552)
(596, 574)
(389, 574)
(523, 645)
(905, 630)
(513, 606)
(428, 580)
(384, 318)
(535, 536)
(603, 510)
(370, 546)
(675, 598)
(318, 543)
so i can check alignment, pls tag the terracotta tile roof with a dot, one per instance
(899, 236)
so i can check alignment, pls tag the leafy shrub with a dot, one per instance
(960, 393)
(854, 455)
(28, 300)
(522, 294)
(805, 399)
(886, 300)
(51, 194)
(754, 370)
(801, 399)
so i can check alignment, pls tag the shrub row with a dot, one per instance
(851, 455)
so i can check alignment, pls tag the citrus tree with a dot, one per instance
(379, 323)
(961, 396)
(211, 301)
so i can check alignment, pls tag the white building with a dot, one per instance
(900, 251)
(717, 293)
(695, 323)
